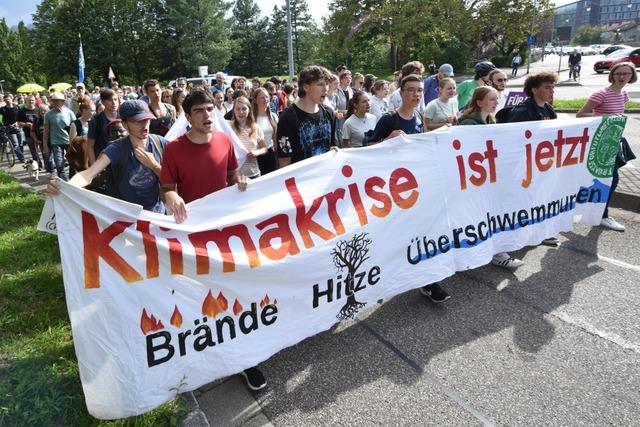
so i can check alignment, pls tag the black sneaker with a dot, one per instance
(435, 293)
(551, 241)
(254, 378)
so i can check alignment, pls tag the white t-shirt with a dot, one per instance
(438, 111)
(267, 130)
(502, 99)
(378, 106)
(354, 128)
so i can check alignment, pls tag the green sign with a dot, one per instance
(605, 146)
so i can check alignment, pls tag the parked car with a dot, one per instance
(622, 55)
(599, 47)
(615, 47)
(210, 79)
(587, 50)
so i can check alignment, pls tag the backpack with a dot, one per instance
(396, 119)
(502, 116)
(108, 181)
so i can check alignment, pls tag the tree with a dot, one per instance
(304, 34)
(196, 33)
(586, 35)
(351, 254)
(276, 40)
(248, 32)
(506, 24)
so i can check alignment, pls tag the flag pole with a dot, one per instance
(80, 61)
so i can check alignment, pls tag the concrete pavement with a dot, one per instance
(555, 343)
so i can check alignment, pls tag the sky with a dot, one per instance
(15, 10)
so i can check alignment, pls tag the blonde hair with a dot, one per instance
(634, 73)
(251, 122)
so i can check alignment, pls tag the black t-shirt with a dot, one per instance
(27, 116)
(302, 135)
(98, 132)
(9, 115)
(393, 121)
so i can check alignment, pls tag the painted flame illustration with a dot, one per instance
(176, 317)
(222, 302)
(264, 301)
(211, 306)
(149, 323)
(237, 307)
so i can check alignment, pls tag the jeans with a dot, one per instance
(33, 149)
(17, 147)
(58, 152)
(614, 184)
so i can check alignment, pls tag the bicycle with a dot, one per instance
(575, 70)
(6, 148)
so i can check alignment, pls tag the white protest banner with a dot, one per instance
(159, 308)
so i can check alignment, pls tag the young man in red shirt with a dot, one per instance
(199, 163)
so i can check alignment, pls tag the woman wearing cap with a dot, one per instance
(610, 101)
(466, 88)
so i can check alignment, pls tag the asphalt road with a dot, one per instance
(555, 343)
(589, 82)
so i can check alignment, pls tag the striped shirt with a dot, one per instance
(608, 102)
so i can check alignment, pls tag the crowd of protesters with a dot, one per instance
(112, 138)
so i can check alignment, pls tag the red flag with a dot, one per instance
(112, 75)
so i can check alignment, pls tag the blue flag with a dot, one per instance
(80, 64)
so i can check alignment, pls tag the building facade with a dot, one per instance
(610, 15)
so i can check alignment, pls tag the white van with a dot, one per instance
(210, 79)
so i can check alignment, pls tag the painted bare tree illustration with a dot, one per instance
(351, 254)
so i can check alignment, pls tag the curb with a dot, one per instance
(575, 110)
(196, 417)
(626, 201)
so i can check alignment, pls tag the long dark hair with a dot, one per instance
(354, 100)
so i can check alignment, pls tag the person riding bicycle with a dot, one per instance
(574, 64)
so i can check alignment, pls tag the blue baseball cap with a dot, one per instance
(135, 110)
(447, 70)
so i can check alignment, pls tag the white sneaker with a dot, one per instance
(505, 260)
(611, 224)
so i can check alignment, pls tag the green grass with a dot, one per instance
(578, 103)
(39, 380)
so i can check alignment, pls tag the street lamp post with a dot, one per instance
(533, 22)
(289, 41)
(1, 88)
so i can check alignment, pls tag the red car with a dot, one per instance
(623, 55)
